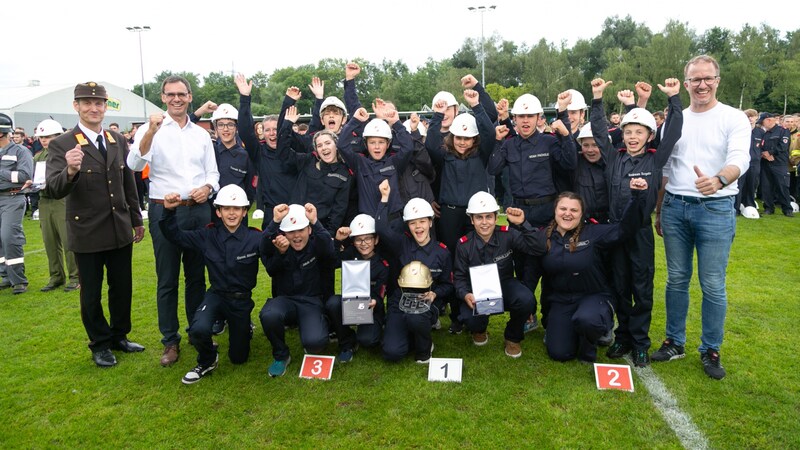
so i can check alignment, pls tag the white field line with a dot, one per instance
(681, 423)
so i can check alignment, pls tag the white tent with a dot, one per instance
(31, 104)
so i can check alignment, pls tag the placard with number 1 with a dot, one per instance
(445, 369)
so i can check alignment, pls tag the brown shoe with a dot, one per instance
(513, 349)
(480, 339)
(170, 355)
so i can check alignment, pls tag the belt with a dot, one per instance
(10, 191)
(535, 201)
(189, 202)
(688, 199)
(234, 295)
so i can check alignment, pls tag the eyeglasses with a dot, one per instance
(708, 80)
(180, 95)
(226, 126)
(366, 240)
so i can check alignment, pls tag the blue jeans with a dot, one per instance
(709, 226)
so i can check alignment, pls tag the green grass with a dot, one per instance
(54, 396)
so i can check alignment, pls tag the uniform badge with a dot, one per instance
(81, 139)
(110, 138)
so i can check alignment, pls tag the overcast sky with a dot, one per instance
(58, 42)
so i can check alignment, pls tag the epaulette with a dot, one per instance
(441, 244)
(651, 150)
(593, 220)
(385, 262)
(255, 229)
(622, 149)
(407, 233)
(463, 239)
(210, 225)
(315, 154)
(350, 171)
(503, 228)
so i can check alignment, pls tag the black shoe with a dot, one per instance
(768, 212)
(194, 375)
(788, 213)
(668, 351)
(50, 287)
(218, 327)
(104, 358)
(456, 327)
(19, 289)
(72, 287)
(607, 339)
(618, 350)
(127, 346)
(712, 365)
(640, 358)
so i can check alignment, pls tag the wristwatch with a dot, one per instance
(723, 180)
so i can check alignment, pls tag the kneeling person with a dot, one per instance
(294, 259)
(231, 256)
(489, 244)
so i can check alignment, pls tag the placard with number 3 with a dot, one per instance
(317, 366)
(613, 376)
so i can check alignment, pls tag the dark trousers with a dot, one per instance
(305, 312)
(168, 268)
(404, 330)
(633, 267)
(529, 268)
(575, 325)
(366, 335)
(748, 185)
(517, 300)
(120, 287)
(237, 313)
(775, 185)
(453, 223)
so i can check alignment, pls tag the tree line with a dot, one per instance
(760, 69)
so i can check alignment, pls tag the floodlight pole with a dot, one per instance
(482, 9)
(138, 30)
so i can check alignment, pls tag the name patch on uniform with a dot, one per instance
(503, 256)
(9, 157)
(640, 174)
(239, 258)
(236, 169)
(313, 258)
(539, 155)
(579, 244)
(339, 176)
(387, 168)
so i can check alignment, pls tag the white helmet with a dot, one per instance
(749, 212)
(482, 202)
(420, 127)
(527, 104)
(258, 214)
(333, 101)
(449, 98)
(586, 132)
(417, 208)
(578, 103)
(378, 128)
(231, 195)
(225, 111)
(639, 116)
(295, 220)
(464, 125)
(795, 206)
(48, 127)
(362, 224)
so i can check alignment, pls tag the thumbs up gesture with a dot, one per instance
(705, 184)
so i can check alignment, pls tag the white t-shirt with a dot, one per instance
(710, 140)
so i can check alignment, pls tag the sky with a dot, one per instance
(56, 42)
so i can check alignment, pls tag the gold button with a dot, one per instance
(89, 171)
(113, 208)
(109, 181)
(112, 195)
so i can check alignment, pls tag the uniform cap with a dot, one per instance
(90, 89)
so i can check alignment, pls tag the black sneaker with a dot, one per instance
(618, 350)
(668, 351)
(456, 327)
(711, 364)
(640, 358)
(218, 327)
(194, 375)
(607, 339)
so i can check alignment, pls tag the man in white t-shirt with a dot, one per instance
(698, 211)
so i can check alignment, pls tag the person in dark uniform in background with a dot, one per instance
(293, 258)
(231, 253)
(16, 172)
(490, 244)
(774, 165)
(746, 198)
(87, 166)
(359, 242)
(633, 263)
(580, 297)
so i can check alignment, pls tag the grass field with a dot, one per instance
(52, 395)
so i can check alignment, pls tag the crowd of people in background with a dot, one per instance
(418, 199)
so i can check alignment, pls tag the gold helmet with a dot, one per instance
(415, 275)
